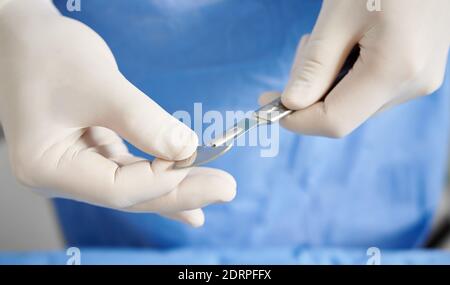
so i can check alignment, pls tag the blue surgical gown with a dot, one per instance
(380, 186)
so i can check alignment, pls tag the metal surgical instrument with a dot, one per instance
(267, 114)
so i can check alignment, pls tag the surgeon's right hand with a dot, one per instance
(64, 107)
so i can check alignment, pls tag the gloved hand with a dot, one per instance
(403, 55)
(63, 105)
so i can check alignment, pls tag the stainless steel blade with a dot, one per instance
(202, 155)
(267, 114)
(236, 131)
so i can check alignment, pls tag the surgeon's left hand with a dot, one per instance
(65, 107)
(403, 55)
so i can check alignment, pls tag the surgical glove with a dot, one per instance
(64, 107)
(403, 55)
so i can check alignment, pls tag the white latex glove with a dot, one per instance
(404, 51)
(63, 105)
(3, 3)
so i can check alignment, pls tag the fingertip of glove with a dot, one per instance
(197, 219)
(183, 142)
(298, 94)
(189, 145)
(230, 193)
(294, 101)
(220, 186)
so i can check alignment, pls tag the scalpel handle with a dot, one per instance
(275, 111)
(272, 112)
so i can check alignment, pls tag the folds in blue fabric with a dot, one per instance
(379, 186)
